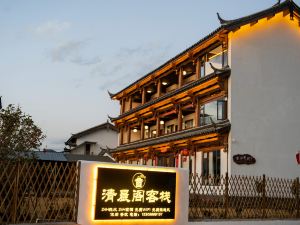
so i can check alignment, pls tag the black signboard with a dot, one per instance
(135, 194)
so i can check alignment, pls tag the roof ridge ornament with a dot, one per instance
(216, 70)
(278, 3)
(110, 94)
(222, 21)
(111, 118)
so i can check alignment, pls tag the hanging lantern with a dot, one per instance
(298, 158)
(184, 152)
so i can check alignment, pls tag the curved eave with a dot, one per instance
(224, 72)
(171, 61)
(226, 25)
(220, 127)
(278, 7)
(111, 95)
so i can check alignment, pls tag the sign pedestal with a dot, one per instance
(127, 194)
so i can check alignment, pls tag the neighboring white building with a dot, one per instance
(93, 141)
(189, 114)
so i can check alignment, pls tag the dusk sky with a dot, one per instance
(59, 58)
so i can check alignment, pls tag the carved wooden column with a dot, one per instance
(179, 118)
(130, 102)
(180, 78)
(143, 96)
(142, 130)
(159, 88)
(128, 134)
(121, 136)
(157, 125)
(198, 66)
(123, 105)
(224, 47)
(197, 113)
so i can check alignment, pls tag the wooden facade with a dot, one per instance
(160, 119)
(180, 109)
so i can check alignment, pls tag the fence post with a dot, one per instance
(15, 195)
(264, 196)
(226, 194)
(297, 198)
(75, 214)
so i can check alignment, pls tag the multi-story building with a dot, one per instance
(228, 103)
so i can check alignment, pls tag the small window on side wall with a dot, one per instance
(87, 149)
(221, 110)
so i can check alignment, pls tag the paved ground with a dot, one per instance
(61, 223)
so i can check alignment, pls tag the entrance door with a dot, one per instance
(166, 160)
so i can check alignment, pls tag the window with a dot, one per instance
(188, 124)
(205, 161)
(212, 112)
(221, 110)
(170, 129)
(211, 165)
(153, 133)
(216, 164)
(146, 133)
(202, 69)
(215, 56)
(87, 149)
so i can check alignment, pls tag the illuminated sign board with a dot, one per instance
(134, 194)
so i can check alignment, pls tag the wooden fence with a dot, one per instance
(243, 197)
(38, 191)
(32, 192)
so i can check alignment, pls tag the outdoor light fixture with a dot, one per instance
(149, 91)
(184, 73)
(135, 130)
(164, 83)
(146, 127)
(162, 122)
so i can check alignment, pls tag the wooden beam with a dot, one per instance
(159, 88)
(143, 96)
(198, 67)
(179, 118)
(209, 149)
(197, 113)
(180, 78)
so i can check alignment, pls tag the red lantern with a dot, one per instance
(298, 158)
(184, 152)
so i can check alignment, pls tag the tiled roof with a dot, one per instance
(226, 25)
(218, 127)
(65, 157)
(105, 125)
(170, 60)
(74, 158)
(50, 156)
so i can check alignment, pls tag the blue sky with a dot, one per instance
(59, 58)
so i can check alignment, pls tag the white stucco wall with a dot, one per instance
(103, 138)
(79, 150)
(264, 97)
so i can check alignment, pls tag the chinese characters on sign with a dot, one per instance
(135, 194)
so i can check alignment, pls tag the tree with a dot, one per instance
(18, 134)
